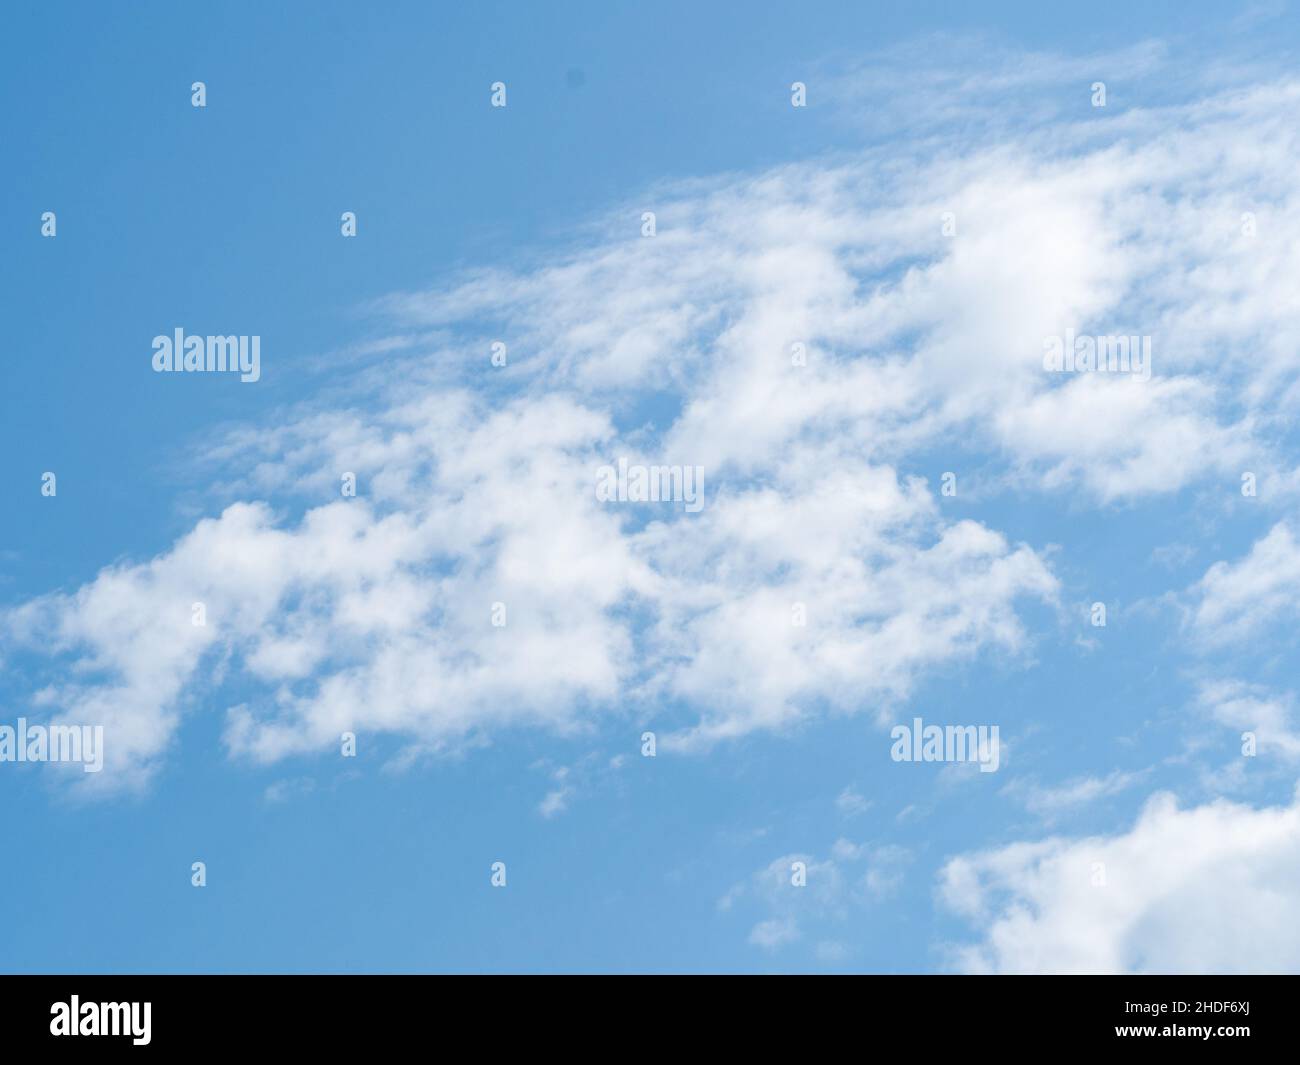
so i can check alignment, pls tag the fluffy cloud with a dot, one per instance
(1236, 600)
(374, 614)
(1206, 889)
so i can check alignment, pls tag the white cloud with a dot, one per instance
(284, 790)
(555, 802)
(1210, 889)
(851, 803)
(372, 614)
(774, 933)
(851, 877)
(1269, 716)
(1050, 802)
(1236, 600)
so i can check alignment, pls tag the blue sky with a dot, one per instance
(1121, 745)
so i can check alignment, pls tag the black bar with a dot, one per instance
(613, 1016)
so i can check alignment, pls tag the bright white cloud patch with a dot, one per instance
(1209, 889)
(1237, 600)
